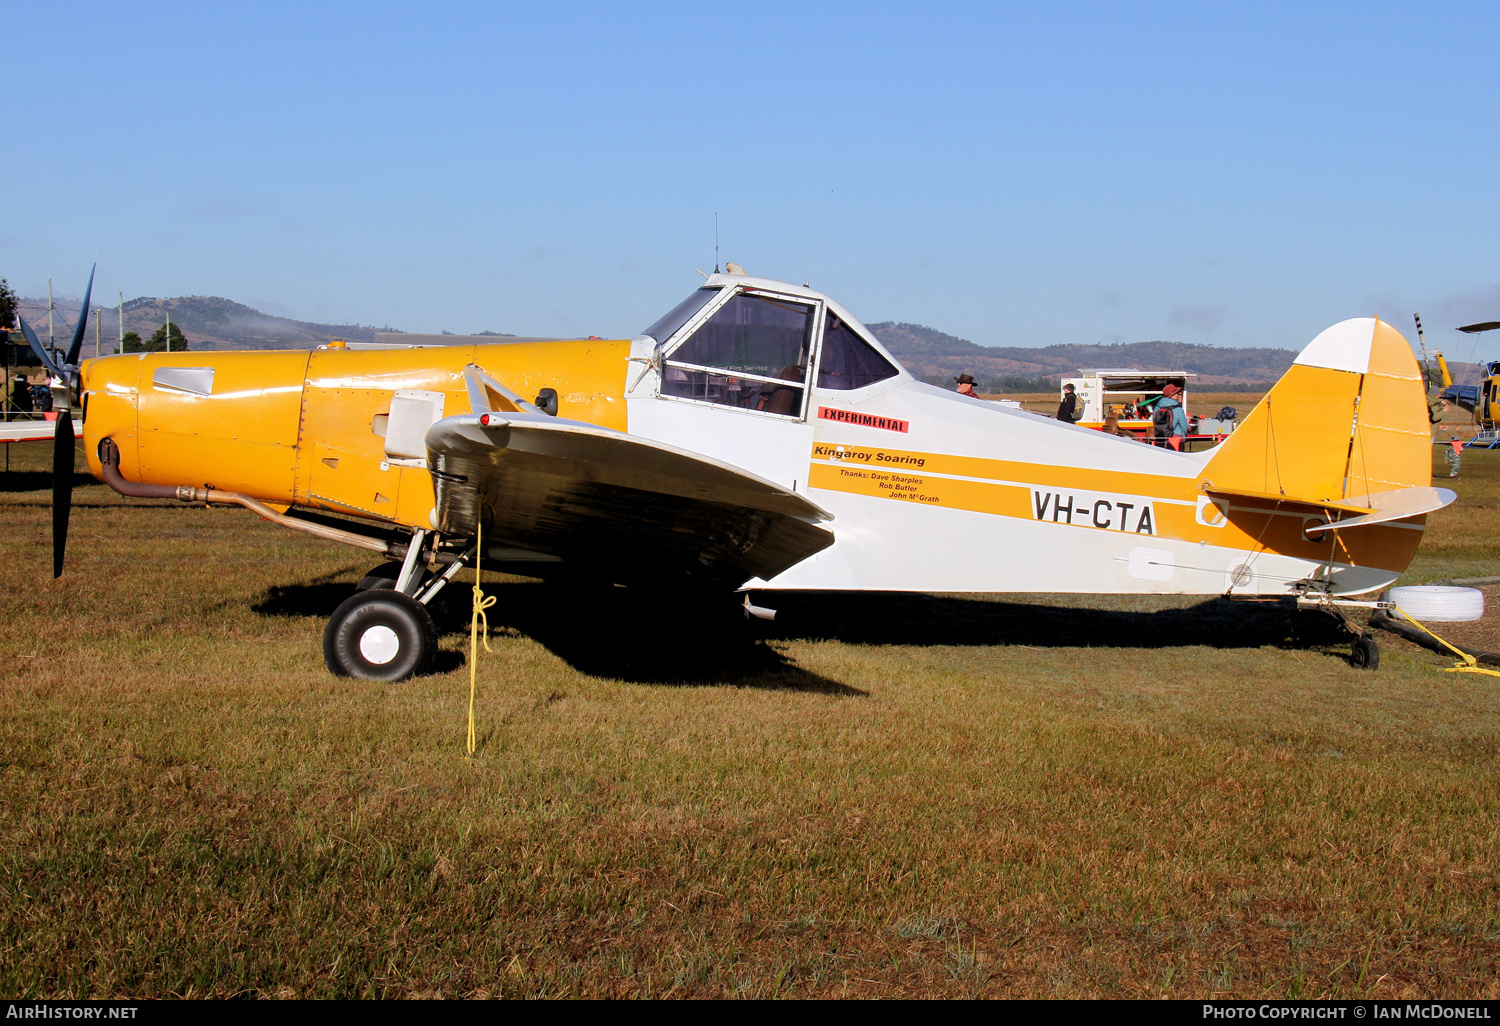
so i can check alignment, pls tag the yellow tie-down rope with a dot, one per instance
(481, 603)
(1467, 663)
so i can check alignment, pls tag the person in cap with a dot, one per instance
(966, 385)
(1170, 419)
(1067, 410)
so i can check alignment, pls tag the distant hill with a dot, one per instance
(933, 355)
(929, 353)
(228, 323)
(209, 323)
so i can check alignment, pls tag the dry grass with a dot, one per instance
(889, 796)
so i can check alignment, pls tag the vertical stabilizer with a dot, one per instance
(1347, 420)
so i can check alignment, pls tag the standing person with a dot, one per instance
(1170, 419)
(1455, 455)
(966, 385)
(20, 396)
(1067, 410)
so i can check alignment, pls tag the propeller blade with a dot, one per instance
(83, 319)
(39, 349)
(63, 450)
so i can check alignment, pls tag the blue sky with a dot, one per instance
(1021, 174)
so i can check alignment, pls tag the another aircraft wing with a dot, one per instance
(35, 430)
(612, 503)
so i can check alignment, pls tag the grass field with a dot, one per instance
(888, 796)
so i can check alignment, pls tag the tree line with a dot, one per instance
(157, 343)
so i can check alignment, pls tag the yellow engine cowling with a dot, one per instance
(225, 420)
(310, 429)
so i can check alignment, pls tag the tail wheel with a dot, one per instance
(379, 635)
(1365, 655)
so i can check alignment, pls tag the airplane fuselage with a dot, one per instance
(928, 490)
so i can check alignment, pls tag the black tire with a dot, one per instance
(383, 576)
(379, 635)
(1365, 655)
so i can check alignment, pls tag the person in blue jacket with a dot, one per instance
(1170, 419)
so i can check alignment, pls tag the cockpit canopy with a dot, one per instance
(752, 347)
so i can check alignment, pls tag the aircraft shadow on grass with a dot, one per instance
(894, 618)
(619, 633)
(603, 632)
(38, 480)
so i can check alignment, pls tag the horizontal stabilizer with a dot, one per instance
(1342, 505)
(1397, 504)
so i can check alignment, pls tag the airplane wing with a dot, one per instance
(612, 503)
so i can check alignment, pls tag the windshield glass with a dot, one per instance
(849, 361)
(752, 353)
(762, 335)
(680, 314)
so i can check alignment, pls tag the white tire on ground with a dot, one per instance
(1439, 604)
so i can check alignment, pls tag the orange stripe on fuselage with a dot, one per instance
(1160, 486)
(1005, 488)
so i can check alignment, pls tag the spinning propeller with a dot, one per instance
(63, 442)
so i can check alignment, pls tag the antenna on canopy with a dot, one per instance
(1421, 341)
(716, 242)
(819, 245)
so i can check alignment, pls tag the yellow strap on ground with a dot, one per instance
(1467, 664)
(481, 603)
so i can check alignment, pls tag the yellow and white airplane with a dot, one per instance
(758, 437)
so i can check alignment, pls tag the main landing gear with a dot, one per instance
(384, 632)
(379, 634)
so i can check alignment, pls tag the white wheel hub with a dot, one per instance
(379, 644)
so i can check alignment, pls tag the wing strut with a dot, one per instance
(479, 400)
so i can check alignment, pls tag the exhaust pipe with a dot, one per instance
(109, 461)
